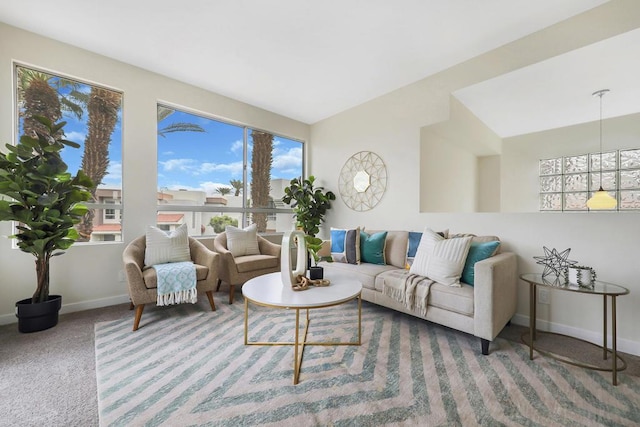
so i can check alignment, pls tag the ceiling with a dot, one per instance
(309, 60)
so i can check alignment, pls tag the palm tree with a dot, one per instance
(223, 190)
(103, 108)
(164, 112)
(42, 94)
(261, 160)
(237, 185)
(37, 98)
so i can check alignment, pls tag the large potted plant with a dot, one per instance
(310, 204)
(46, 202)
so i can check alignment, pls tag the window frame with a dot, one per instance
(244, 210)
(96, 206)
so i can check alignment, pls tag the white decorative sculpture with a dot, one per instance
(287, 271)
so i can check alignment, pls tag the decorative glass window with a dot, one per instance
(93, 116)
(566, 183)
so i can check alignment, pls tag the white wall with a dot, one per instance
(89, 275)
(390, 126)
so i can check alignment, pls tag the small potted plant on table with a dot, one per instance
(310, 204)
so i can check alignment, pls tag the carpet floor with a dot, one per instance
(189, 366)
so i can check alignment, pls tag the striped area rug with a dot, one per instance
(187, 366)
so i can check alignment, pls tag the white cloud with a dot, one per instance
(234, 168)
(113, 178)
(237, 146)
(75, 136)
(291, 159)
(183, 165)
(211, 187)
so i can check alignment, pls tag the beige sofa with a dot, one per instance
(481, 310)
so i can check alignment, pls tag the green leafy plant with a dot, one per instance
(309, 204)
(314, 244)
(46, 201)
(219, 223)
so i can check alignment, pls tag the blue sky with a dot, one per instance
(187, 160)
(208, 160)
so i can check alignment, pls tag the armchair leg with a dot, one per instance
(218, 285)
(232, 290)
(211, 303)
(136, 321)
(131, 306)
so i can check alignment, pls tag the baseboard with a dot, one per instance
(6, 319)
(625, 346)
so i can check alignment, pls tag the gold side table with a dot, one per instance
(598, 288)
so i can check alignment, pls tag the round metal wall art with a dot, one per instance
(363, 181)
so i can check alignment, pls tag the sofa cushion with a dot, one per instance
(477, 252)
(441, 259)
(372, 247)
(395, 249)
(345, 245)
(365, 273)
(459, 300)
(255, 262)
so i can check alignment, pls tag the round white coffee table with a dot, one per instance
(268, 291)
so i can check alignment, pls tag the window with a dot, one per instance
(213, 173)
(566, 183)
(93, 115)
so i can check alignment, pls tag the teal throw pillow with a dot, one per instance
(477, 252)
(414, 242)
(372, 247)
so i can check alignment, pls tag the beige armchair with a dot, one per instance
(236, 271)
(143, 283)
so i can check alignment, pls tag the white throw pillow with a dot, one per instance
(242, 242)
(163, 248)
(441, 259)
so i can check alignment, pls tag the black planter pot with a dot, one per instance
(39, 316)
(316, 273)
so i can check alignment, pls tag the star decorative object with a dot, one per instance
(554, 262)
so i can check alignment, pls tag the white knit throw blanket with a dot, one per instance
(176, 283)
(408, 289)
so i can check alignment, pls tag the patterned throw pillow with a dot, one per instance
(242, 242)
(372, 247)
(163, 248)
(441, 259)
(345, 245)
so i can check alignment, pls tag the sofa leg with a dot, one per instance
(232, 290)
(218, 285)
(485, 346)
(211, 303)
(136, 320)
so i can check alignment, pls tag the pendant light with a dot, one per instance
(601, 199)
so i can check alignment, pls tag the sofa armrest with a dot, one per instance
(495, 294)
